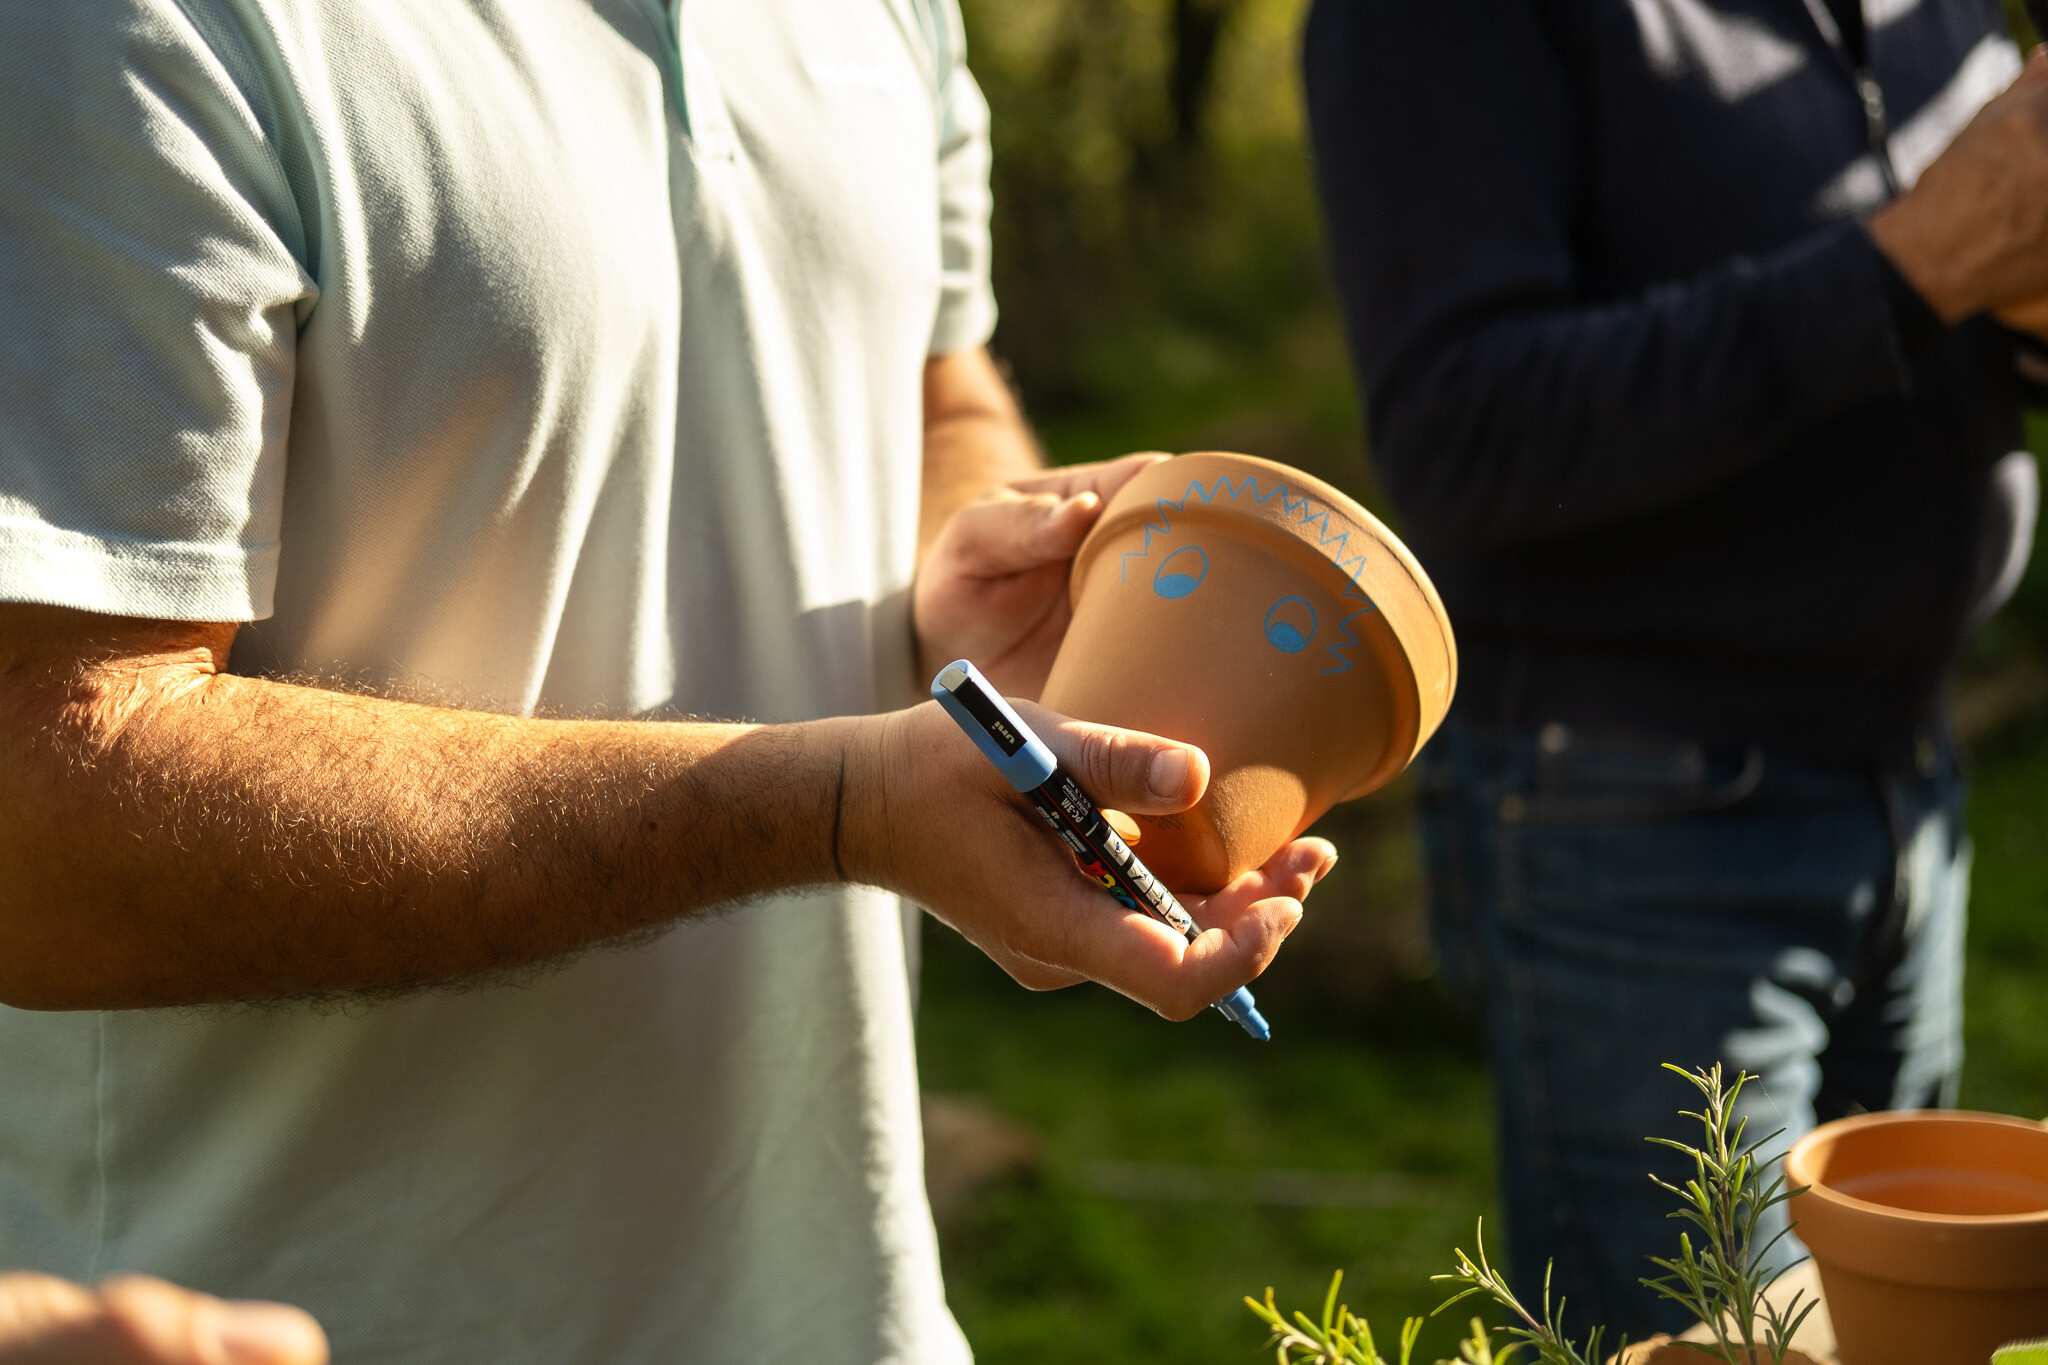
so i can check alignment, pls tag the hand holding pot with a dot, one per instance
(994, 586)
(925, 815)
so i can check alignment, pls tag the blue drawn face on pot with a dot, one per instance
(1181, 572)
(1290, 624)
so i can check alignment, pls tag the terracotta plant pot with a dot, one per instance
(1248, 608)
(1930, 1229)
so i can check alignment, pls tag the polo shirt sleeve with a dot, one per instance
(149, 308)
(967, 302)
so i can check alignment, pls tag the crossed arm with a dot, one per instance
(1508, 407)
(175, 834)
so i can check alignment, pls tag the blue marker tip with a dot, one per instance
(1238, 1005)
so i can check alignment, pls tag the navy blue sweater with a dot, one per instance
(1683, 453)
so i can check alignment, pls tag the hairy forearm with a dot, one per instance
(975, 439)
(173, 834)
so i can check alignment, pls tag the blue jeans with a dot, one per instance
(1609, 905)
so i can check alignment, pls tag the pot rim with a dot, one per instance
(1291, 479)
(1826, 1134)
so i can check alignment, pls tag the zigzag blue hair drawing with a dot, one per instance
(1296, 506)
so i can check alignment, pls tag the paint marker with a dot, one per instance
(1024, 761)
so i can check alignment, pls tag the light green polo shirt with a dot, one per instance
(549, 353)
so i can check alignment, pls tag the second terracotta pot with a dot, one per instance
(1930, 1230)
(1258, 612)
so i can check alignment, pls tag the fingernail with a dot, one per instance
(269, 1333)
(1324, 870)
(1169, 773)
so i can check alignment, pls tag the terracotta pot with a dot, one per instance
(1246, 607)
(1930, 1229)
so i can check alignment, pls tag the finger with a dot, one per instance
(1245, 923)
(1104, 478)
(2029, 315)
(1127, 769)
(1010, 533)
(162, 1322)
(1152, 964)
(1291, 873)
(44, 1320)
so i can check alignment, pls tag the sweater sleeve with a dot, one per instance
(1507, 407)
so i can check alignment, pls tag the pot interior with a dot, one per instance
(1953, 1167)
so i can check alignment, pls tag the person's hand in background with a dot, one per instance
(1972, 234)
(140, 1320)
(2030, 315)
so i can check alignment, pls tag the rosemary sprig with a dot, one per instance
(1546, 1334)
(1721, 1281)
(1341, 1338)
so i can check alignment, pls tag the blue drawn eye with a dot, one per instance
(1290, 625)
(1181, 572)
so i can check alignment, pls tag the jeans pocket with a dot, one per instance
(1602, 836)
(1577, 782)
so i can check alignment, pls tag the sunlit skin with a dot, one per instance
(138, 1320)
(175, 834)
(1972, 234)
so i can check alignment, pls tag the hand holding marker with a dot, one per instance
(1022, 758)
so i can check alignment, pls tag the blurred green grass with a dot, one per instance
(1047, 1268)
(2006, 1021)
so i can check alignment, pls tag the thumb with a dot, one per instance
(1128, 770)
(175, 1326)
(1011, 533)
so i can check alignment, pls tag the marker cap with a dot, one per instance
(1238, 1005)
(996, 729)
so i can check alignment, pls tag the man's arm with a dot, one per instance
(172, 834)
(975, 438)
(177, 833)
(1506, 408)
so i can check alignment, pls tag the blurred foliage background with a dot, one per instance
(1158, 256)
(1108, 1185)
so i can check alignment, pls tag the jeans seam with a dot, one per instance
(1566, 1231)
(1528, 1035)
